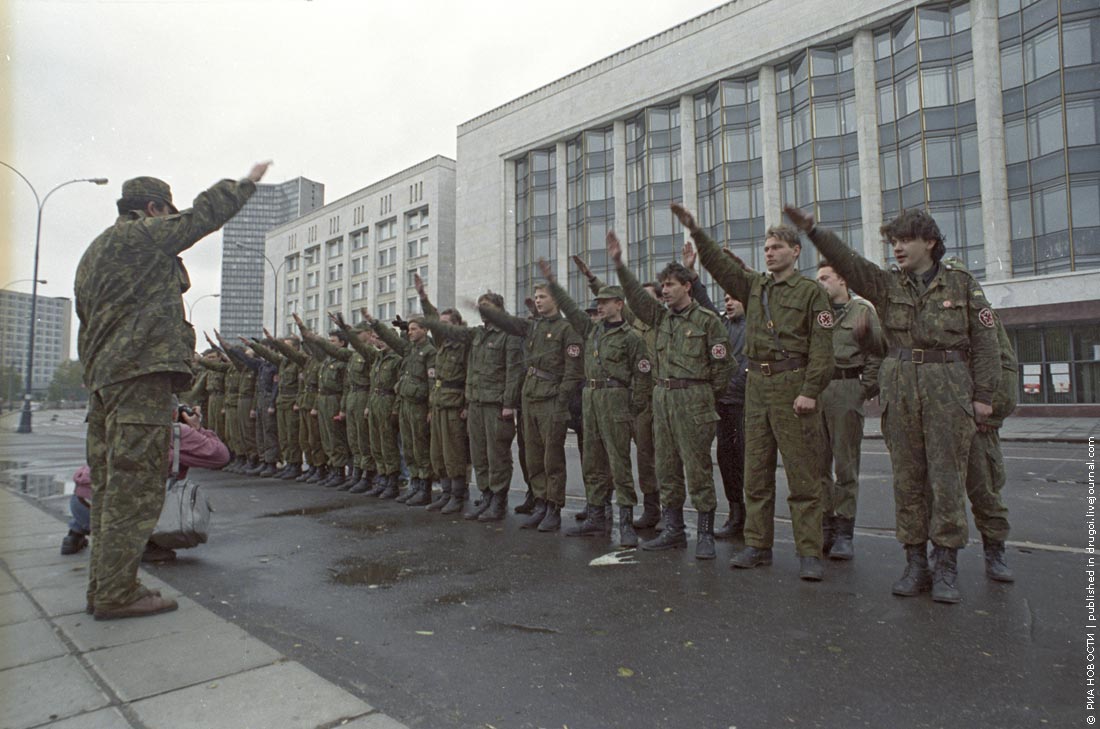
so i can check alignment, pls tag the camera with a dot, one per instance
(185, 410)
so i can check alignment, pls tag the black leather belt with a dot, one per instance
(679, 383)
(852, 373)
(451, 384)
(601, 384)
(929, 356)
(770, 368)
(543, 374)
(360, 388)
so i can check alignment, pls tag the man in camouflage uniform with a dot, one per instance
(618, 385)
(855, 380)
(494, 378)
(552, 352)
(356, 401)
(246, 405)
(136, 346)
(691, 368)
(232, 429)
(215, 388)
(330, 394)
(937, 384)
(382, 414)
(788, 341)
(287, 420)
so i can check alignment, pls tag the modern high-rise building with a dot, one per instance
(51, 337)
(244, 269)
(986, 112)
(363, 250)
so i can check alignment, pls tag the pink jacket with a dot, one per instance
(199, 447)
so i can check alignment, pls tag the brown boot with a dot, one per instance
(149, 605)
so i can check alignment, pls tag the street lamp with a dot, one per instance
(20, 280)
(191, 306)
(25, 417)
(275, 278)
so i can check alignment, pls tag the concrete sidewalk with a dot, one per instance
(61, 668)
(1023, 430)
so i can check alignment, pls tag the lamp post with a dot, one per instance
(25, 418)
(275, 290)
(191, 306)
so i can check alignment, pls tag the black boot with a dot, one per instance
(291, 472)
(627, 536)
(672, 536)
(478, 507)
(391, 488)
(651, 511)
(582, 514)
(592, 525)
(945, 575)
(917, 578)
(996, 568)
(528, 505)
(255, 467)
(457, 499)
(498, 507)
(269, 471)
(811, 569)
(73, 542)
(423, 497)
(319, 474)
(377, 486)
(335, 478)
(351, 480)
(363, 485)
(608, 517)
(306, 474)
(734, 528)
(280, 472)
(552, 521)
(410, 491)
(828, 533)
(444, 496)
(750, 557)
(844, 530)
(704, 539)
(537, 515)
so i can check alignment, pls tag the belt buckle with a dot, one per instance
(766, 369)
(917, 360)
(530, 370)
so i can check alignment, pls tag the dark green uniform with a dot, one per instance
(618, 386)
(552, 354)
(310, 440)
(691, 368)
(494, 377)
(286, 417)
(330, 394)
(793, 358)
(942, 357)
(357, 401)
(215, 385)
(232, 425)
(246, 405)
(447, 401)
(384, 432)
(412, 393)
(136, 347)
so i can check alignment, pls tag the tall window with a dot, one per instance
(928, 141)
(654, 180)
(1050, 59)
(590, 196)
(536, 218)
(1058, 364)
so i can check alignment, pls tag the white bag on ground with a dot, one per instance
(185, 518)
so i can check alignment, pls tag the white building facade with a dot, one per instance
(52, 334)
(363, 250)
(985, 112)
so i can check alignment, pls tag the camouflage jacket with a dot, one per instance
(494, 370)
(129, 287)
(552, 353)
(417, 361)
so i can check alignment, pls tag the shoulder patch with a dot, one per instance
(718, 351)
(644, 366)
(985, 316)
(826, 320)
(573, 350)
(431, 372)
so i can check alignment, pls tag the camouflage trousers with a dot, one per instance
(544, 427)
(267, 430)
(289, 423)
(490, 446)
(384, 434)
(928, 424)
(771, 427)
(334, 435)
(841, 404)
(684, 425)
(246, 427)
(985, 477)
(416, 440)
(606, 461)
(129, 433)
(215, 417)
(449, 448)
(359, 430)
(232, 428)
(310, 436)
(642, 434)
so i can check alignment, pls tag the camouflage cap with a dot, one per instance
(148, 188)
(611, 292)
(363, 326)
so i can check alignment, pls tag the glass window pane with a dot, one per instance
(905, 34)
(941, 156)
(1050, 213)
(1012, 71)
(968, 151)
(964, 82)
(737, 203)
(736, 144)
(960, 18)
(933, 22)
(1045, 131)
(886, 104)
(1079, 40)
(824, 61)
(660, 167)
(1085, 197)
(937, 86)
(1015, 141)
(1041, 55)
(1081, 117)
(829, 182)
(826, 122)
(882, 45)
(908, 95)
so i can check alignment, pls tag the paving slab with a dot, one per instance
(286, 695)
(33, 526)
(41, 556)
(373, 721)
(89, 634)
(71, 691)
(7, 584)
(16, 608)
(28, 642)
(63, 599)
(110, 718)
(167, 663)
(59, 574)
(10, 544)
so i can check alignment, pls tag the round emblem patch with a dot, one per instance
(644, 366)
(985, 316)
(718, 351)
(431, 372)
(826, 320)
(947, 304)
(573, 350)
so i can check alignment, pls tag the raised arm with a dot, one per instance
(641, 304)
(573, 313)
(731, 277)
(269, 354)
(504, 321)
(863, 277)
(390, 337)
(296, 356)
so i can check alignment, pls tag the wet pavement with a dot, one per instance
(441, 622)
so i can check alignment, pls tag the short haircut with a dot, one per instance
(677, 271)
(652, 285)
(493, 298)
(912, 224)
(456, 318)
(293, 338)
(785, 233)
(543, 286)
(826, 263)
(417, 320)
(339, 334)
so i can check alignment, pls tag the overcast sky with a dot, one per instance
(191, 91)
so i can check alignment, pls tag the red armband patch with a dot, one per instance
(718, 351)
(573, 350)
(644, 366)
(985, 316)
(826, 320)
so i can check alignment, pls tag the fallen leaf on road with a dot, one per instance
(625, 672)
(425, 632)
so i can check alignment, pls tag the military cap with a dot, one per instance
(610, 292)
(148, 188)
(363, 326)
(592, 308)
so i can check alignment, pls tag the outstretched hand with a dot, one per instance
(366, 315)
(801, 219)
(614, 247)
(258, 171)
(686, 219)
(419, 283)
(737, 259)
(583, 267)
(546, 270)
(267, 334)
(688, 255)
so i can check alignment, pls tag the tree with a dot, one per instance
(68, 382)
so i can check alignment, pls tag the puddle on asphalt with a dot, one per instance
(361, 571)
(367, 524)
(311, 510)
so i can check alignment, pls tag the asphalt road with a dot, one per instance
(445, 623)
